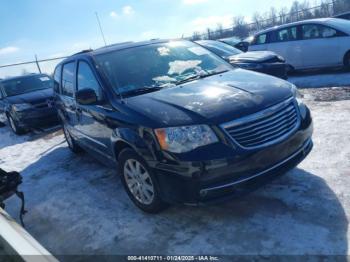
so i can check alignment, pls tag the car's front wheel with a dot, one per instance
(14, 126)
(139, 182)
(73, 146)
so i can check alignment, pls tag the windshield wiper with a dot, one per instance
(142, 90)
(188, 79)
(195, 77)
(215, 73)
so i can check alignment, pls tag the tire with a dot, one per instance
(347, 61)
(72, 144)
(140, 182)
(14, 126)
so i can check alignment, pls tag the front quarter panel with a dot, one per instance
(140, 139)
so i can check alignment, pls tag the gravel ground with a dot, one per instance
(77, 206)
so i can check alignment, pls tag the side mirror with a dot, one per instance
(243, 46)
(86, 97)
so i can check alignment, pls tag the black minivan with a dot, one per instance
(182, 125)
(26, 102)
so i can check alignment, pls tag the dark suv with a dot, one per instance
(27, 102)
(181, 123)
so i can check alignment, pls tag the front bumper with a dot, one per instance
(34, 118)
(239, 171)
(251, 182)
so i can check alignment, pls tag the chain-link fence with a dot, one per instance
(45, 66)
(242, 29)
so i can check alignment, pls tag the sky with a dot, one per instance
(54, 28)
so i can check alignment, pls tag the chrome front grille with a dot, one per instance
(266, 127)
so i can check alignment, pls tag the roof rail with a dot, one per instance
(116, 44)
(83, 51)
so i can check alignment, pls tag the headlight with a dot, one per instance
(297, 95)
(185, 138)
(21, 107)
(281, 58)
(299, 98)
(251, 66)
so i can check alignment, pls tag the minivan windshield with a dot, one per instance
(26, 84)
(158, 65)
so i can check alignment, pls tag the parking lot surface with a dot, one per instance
(77, 206)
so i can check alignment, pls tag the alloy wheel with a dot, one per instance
(139, 181)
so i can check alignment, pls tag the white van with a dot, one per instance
(308, 44)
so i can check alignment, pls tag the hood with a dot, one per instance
(213, 100)
(255, 57)
(34, 97)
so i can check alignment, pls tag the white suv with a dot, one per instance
(316, 43)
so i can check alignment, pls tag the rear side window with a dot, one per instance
(86, 79)
(68, 79)
(287, 34)
(317, 31)
(57, 79)
(261, 39)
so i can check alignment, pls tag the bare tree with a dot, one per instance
(283, 14)
(305, 10)
(209, 34)
(240, 27)
(257, 21)
(341, 6)
(299, 10)
(196, 36)
(219, 31)
(294, 11)
(326, 9)
(273, 16)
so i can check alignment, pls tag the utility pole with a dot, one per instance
(37, 64)
(99, 25)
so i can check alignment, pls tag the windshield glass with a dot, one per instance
(26, 84)
(340, 24)
(158, 65)
(231, 40)
(219, 48)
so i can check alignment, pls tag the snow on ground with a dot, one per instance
(320, 79)
(77, 206)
